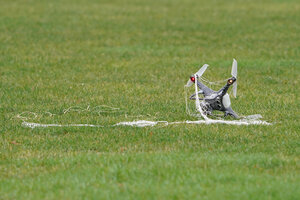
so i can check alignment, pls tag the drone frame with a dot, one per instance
(215, 100)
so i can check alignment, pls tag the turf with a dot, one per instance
(137, 55)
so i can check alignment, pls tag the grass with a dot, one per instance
(136, 56)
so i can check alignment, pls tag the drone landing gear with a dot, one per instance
(231, 114)
(206, 109)
(226, 114)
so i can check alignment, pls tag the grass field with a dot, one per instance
(136, 55)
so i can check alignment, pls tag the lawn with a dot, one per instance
(136, 56)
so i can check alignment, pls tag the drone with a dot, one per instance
(214, 100)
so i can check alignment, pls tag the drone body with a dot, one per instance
(215, 100)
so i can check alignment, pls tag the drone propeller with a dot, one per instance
(201, 70)
(198, 74)
(234, 74)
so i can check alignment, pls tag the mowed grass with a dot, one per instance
(137, 55)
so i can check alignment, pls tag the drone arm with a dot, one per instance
(226, 87)
(192, 97)
(205, 90)
(230, 112)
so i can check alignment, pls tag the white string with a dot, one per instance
(213, 82)
(140, 123)
(27, 115)
(198, 106)
(34, 125)
(186, 103)
(97, 109)
(144, 123)
(22, 117)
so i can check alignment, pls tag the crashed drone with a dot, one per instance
(214, 100)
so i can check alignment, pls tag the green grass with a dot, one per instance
(137, 55)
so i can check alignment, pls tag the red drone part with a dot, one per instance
(193, 79)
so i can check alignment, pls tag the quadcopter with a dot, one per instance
(214, 100)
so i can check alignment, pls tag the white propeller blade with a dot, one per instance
(198, 73)
(234, 89)
(201, 70)
(189, 83)
(234, 68)
(234, 74)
